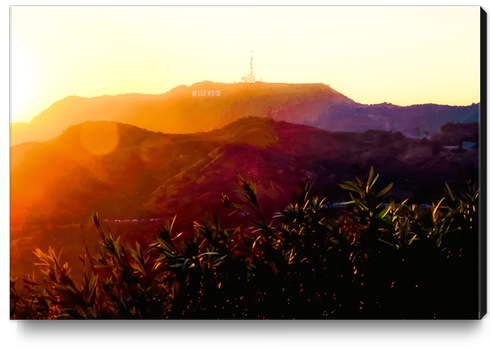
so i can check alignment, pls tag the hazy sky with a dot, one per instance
(401, 55)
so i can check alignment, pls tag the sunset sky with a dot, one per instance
(401, 55)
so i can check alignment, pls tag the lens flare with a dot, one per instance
(99, 138)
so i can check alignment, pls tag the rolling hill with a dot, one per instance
(58, 184)
(207, 105)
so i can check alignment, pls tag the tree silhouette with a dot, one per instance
(418, 130)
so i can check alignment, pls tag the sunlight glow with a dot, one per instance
(24, 81)
(402, 55)
(99, 138)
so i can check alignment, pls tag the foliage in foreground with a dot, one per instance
(377, 259)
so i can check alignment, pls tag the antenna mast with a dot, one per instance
(250, 78)
(251, 75)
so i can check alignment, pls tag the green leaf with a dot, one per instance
(383, 213)
(91, 313)
(360, 203)
(208, 253)
(29, 282)
(216, 223)
(352, 184)
(384, 191)
(449, 191)
(386, 242)
(172, 225)
(415, 238)
(348, 187)
(371, 174)
(374, 181)
(436, 208)
(401, 205)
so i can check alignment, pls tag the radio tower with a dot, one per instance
(250, 78)
(251, 74)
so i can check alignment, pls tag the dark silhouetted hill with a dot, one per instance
(453, 134)
(357, 117)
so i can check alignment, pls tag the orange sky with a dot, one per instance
(402, 55)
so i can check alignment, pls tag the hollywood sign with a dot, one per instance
(206, 92)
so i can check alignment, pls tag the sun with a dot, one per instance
(24, 83)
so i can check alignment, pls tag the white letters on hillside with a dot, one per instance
(206, 92)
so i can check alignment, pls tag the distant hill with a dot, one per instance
(56, 185)
(455, 133)
(207, 105)
(357, 117)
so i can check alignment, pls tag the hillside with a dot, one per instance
(455, 133)
(207, 105)
(184, 109)
(356, 117)
(56, 185)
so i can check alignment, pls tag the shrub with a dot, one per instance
(378, 259)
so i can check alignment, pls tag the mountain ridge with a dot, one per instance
(151, 161)
(57, 185)
(189, 109)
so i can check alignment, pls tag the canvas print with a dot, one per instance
(280, 162)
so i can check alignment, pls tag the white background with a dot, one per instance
(210, 333)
